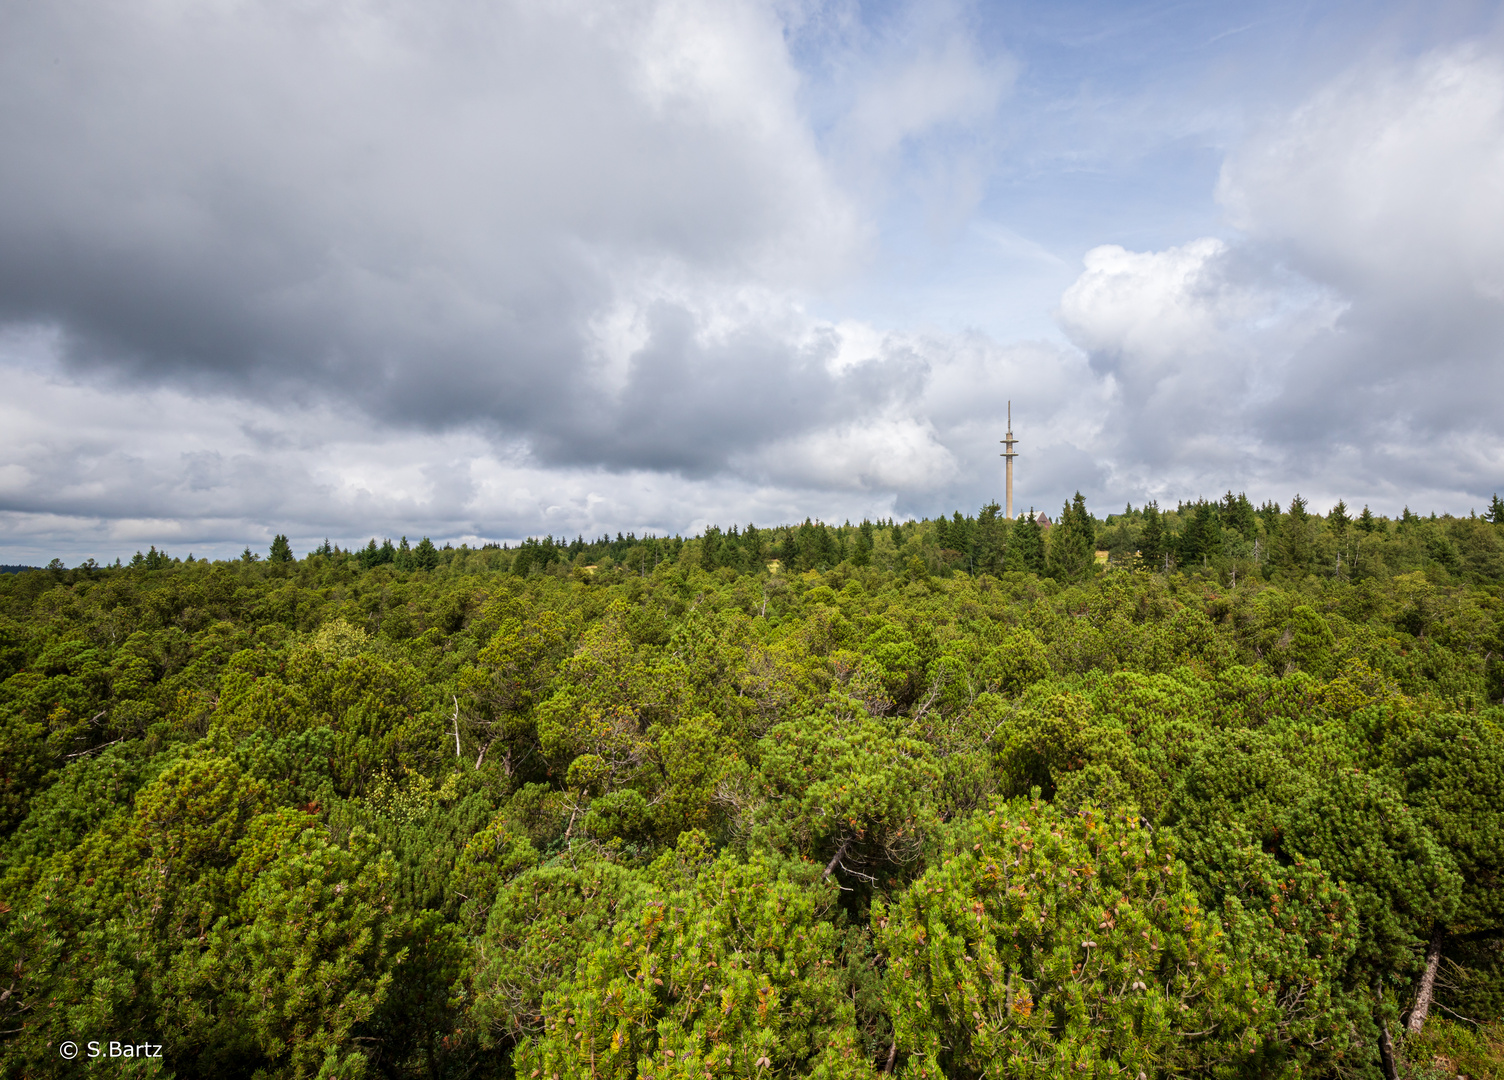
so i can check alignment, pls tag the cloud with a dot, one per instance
(1385, 180)
(1348, 341)
(946, 85)
(906, 102)
(1194, 339)
(417, 208)
(1384, 188)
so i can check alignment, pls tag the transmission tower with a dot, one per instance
(1009, 455)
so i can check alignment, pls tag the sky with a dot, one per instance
(479, 271)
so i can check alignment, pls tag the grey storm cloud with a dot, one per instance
(419, 209)
(689, 407)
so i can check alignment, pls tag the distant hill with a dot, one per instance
(16, 569)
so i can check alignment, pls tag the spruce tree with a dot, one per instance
(1238, 513)
(710, 548)
(425, 555)
(1202, 538)
(861, 546)
(1025, 550)
(1269, 515)
(1072, 542)
(1151, 543)
(942, 533)
(991, 539)
(1293, 548)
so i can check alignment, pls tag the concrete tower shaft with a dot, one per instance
(1009, 455)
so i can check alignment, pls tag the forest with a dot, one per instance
(1211, 791)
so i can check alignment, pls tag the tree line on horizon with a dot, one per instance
(1226, 538)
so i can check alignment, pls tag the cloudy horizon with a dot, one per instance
(480, 272)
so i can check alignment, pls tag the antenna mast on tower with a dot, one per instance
(1008, 453)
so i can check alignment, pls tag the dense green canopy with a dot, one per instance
(1203, 791)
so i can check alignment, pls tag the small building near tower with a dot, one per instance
(1043, 520)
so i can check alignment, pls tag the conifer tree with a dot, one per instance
(1238, 513)
(1269, 515)
(1152, 547)
(1453, 770)
(1202, 538)
(1293, 548)
(1072, 542)
(710, 548)
(737, 972)
(991, 539)
(1041, 936)
(1025, 549)
(425, 555)
(861, 544)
